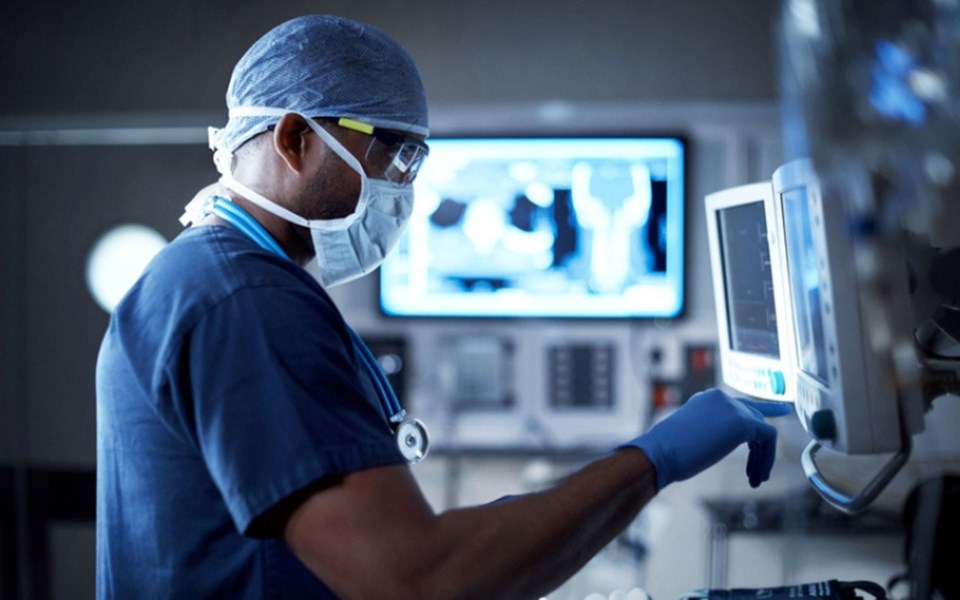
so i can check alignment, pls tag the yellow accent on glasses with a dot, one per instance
(393, 156)
(355, 125)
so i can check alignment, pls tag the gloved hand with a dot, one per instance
(707, 428)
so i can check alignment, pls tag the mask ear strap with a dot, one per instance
(336, 146)
(326, 136)
(229, 182)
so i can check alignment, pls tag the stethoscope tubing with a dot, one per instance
(247, 225)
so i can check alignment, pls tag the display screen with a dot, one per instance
(804, 284)
(748, 280)
(543, 227)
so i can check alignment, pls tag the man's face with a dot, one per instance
(333, 190)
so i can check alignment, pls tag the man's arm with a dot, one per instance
(373, 535)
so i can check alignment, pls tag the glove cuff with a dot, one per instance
(654, 454)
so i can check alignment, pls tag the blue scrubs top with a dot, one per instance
(226, 382)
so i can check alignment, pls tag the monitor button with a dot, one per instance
(778, 384)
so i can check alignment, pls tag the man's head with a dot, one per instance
(325, 112)
(325, 66)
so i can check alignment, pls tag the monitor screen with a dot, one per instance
(574, 227)
(750, 303)
(804, 284)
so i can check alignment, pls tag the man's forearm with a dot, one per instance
(528, 545)
(377, 521)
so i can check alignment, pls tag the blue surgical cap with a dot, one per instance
(325, 66)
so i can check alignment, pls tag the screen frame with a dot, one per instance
(667, 135)
(855, 399)
(740, 370)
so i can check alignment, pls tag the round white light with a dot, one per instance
(118, 259)
(390, 363)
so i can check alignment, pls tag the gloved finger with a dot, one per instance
(753, 464)
(763, 452)
(768, 409)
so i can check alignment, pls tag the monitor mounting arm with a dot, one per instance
(854, 504)
(938, 350)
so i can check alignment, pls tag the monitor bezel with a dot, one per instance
(862, 408)
(670, 135)
(739, 369)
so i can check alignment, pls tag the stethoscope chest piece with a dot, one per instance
(413, 440)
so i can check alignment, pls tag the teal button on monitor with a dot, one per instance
(778, 384)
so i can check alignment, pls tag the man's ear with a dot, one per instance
(290, 140)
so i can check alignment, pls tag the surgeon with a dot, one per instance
(248, 446)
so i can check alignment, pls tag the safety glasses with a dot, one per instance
(397, 157)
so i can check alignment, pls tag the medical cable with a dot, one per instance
(384, 390)
(246, 224)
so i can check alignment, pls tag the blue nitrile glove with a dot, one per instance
(707, 428)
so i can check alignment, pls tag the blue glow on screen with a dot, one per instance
(748, 280)
(805, 284)
(542, 227)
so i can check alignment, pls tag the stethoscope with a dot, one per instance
(412, 438)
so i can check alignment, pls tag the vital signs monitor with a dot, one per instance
(843, 396)
(793, 320)
(753, 316)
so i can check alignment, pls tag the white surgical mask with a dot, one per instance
(348, 247)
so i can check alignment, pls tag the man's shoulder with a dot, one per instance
(220, 260)
(205, 266)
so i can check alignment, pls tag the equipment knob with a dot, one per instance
(823, 426)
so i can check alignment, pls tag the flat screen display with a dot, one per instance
(748, 280)
(804, 284)
(585, 227)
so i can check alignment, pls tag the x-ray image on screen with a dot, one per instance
(566, 227)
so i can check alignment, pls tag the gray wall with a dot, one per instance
(96, 56)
